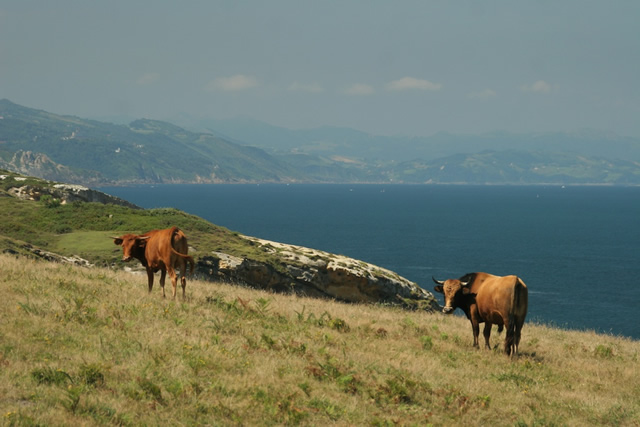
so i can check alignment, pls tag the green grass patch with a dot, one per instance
(83, 229)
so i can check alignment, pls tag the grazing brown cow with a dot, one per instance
(490, 299)
(162, 250)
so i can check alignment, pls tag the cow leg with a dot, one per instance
(163, 275)
(508, 344)
(476, 332)
(183, 279)
(174, 280)
(487, 334)
(150, 277)
(509, 341)
(516, 338)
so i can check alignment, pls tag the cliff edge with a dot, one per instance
(315, 273)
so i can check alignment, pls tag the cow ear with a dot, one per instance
(438, 289)
(117, 241)
(141, 241)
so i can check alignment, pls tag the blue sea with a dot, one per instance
(576, 248)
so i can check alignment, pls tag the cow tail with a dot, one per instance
(189, 258)
(518, 303)
(511, 330)
(192, 265)
(174, 231)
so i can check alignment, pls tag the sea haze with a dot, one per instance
(576, 248)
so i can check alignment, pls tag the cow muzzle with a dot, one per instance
(126, 258)
(448, 310)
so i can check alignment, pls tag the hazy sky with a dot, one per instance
(384, 67)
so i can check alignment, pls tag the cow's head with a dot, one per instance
(131, 245)
(454, 291)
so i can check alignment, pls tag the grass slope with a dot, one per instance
(90, 346)
(83, 229)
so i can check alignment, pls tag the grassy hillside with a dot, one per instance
(83, 229)
(89, 346)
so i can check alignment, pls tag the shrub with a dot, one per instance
(91, 374)
(427, 342)
(151, 389)
(339, 325)
(49, 201)
(603, 351)
(50, 376)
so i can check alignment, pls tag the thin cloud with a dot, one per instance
(411, 83)
(483, 94)
(540, 86)
(310, 88)
(232, 84)
(148, 78)
(359, 89)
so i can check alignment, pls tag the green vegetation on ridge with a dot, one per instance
(83, 229)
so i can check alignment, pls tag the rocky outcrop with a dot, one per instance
(71, 193)
(18, 248)
(26, 189)
(316, 273)
(50, 256)
(38, 164)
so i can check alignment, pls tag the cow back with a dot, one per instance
(495, 296)
(158, 249)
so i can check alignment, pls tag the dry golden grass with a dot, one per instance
(90, 346)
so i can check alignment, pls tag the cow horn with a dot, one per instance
(437, 281)
(144, 237)
(113, 237)
(465, 283)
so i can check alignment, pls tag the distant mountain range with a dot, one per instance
(333, 141)
(91, 152)
(72, 149)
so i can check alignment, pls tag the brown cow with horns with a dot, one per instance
(163, 250)
(490, 299)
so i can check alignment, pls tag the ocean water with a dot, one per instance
(576, 248)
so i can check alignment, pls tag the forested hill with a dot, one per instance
(76, 150)
(90, 152)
